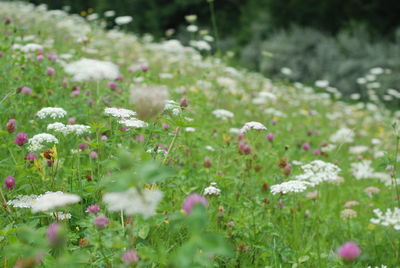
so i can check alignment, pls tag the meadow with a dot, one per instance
(118, 151)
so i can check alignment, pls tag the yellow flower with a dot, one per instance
(83, 13)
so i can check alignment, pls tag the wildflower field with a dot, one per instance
(117, 151)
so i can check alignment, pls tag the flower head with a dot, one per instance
(101, 222)
(11, 125)
(93, 209)
(349, 251)
(51, 200)
(130, 257)
(193, 200)
(21, 139)
(9, 183)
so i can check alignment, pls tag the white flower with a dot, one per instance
(212, 189)
(362, 170)
(89, 69)
(343, 135)
(61, 216)
(51, 200)
(172, 106)
(23, 201)
(376, 71)
(322, 83)
(382, 266)
(318, 171)
(293, 186)
(134, 202)
(252, 125)
(133, 122)
(358, 149)
(31, 47)
(119, 112)
(190, 129)
(210, 148)
(68, 129)
(192, 28)
(37, 142)
(390, 218)
(200, 45)
(222, 114)
(123, 20)
(109, 13)
(52, 112)
(234, 130)
(286, 71)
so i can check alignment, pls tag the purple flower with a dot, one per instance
(26, 90)
(317, 152)
(184, 102)
(349, 251)
(191, 201)
(112, 85)
(270, 137)
(101, 222)
(50, 71)
(306, 146)
(93, 155)
(244, 148)
(93, 209)
(39, 58)
(104, 138)
(21, 139)
(9, 183)
(130, 257)
(144, 68)
(31, 157)
(165, 126)
(53, 233)
(207, 162)
(83, 146)
(11, 125)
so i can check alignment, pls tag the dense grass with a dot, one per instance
(245, 225)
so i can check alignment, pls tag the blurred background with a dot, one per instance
(352, 44)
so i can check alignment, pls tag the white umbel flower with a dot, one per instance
(172, 106)
(318, 171)
(252, 125)
(37, 142)
(68, 129)
(222, 114)
(52, 112)
(362, 170)
(23, 201)
(293, 186)
(89, 69)
(119, 112)
(389, 218)
(134, 202)
(212, 189)
(51, 200)
(343, 135)
(122, 20)
(133, 123)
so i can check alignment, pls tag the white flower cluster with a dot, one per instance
(359, 149)
(263, 97)
(293, 186)
(172, 106)
(343, 135)
(31, 47)
(390, 218)
(212, 189)
(382, 266)
(89, 69)
(252, 125)
(51, 200)
(318, 171)
(23, 201)
(362, 170)
(52, 112)
(119, 112)
(134, 202)
(61, 216)
(133, 122)
(222, 114)
(122, 20)
(36, 142)
(68, 129)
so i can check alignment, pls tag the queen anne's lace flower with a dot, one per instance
(37, 142)
(89, 69)
(212, 189)
(119, 112)
(343, 135)
(134, 202)
(23, 201)
(68, 129)
(172, 106)
(293, 186)
(390, 218)
(133, 122)
(252, 125)
(222, 114)
(319, 171)
(52, 112)
(362, 170)
(51, 200)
